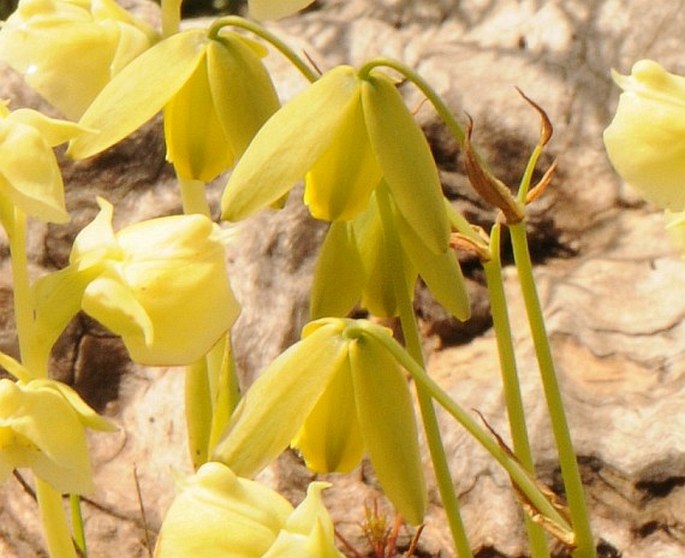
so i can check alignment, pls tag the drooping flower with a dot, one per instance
(215, 93)
(68, 50)
(275, 9)
(334, 395)
(343, 134)
(218, 514)
(160, 284)
(645, 139)
(30, 178)
(42, 427)
(355, 266)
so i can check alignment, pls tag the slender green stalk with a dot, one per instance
(198, 400)
(441, 108)
(224, 387)
(259, 31)
(193, 196)
(77, 524)
(512, 391)
(517, 472)
(430, 422)
(57, 534)
(23, 298)
(56, 530)
(171, 17)
(567, 457)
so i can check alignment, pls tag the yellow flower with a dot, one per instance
(30, 178)
(335, 394)
(159, 284)
(343, 134)
(355, 265)
(42, 427)
(646, 139)
(215, 93)
(274, 9)
(68, 50)
(218, 514)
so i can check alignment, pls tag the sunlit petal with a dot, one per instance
(386, 416)
(289, 143)
(405, 158)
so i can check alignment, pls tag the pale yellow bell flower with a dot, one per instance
(355, 267)
(215, 93)
(343, 134)
(42, 427)
(30, 178)
(68, 50)
(334, 395)
(217, 514)
(646, 139)
(160, 284)
(275, 9)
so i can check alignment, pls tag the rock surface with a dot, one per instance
(607, 276)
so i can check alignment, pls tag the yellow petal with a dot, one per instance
(244, 96)
(644, 140)
(46, 436)
(275, 9)
(218, 515)
(329, 439)
(339, 275)
(53, 131)
(405, 158)
(29, 174)
(195, 140)
(289, 143)
(112, 303)
(339, 184)
(270, 414)
(441, 272)
(381, 272)
(139, 91)
(386, 417)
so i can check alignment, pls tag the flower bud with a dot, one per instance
(218, 514)
(645, 139)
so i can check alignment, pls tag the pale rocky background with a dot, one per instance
(609, 281)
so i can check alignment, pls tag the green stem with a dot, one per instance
(171, 17)
(413, 342)
(259, 31)
(441, 108)
(77, 523)
(198, 400)
(512, 391)
(23, 298)
(517, 472)
(528, 174)
(224, 388)
(57, 534)
(567, 458)
(193, 196)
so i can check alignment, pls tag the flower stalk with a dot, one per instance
(430, 422)
(512, 390)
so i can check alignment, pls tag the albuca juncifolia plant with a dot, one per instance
(345, 390)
